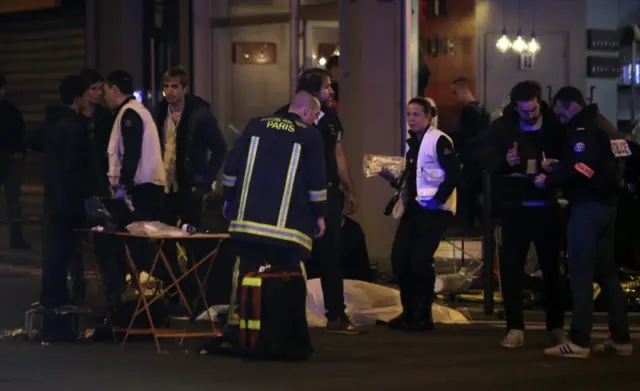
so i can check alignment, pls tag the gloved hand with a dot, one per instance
(540, 181)
(225, 210)
(120, 193)
(431, 204)
(387, 175)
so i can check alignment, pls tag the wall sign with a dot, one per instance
(254, 53)
(527, 61)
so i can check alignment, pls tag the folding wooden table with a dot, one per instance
(144, 303)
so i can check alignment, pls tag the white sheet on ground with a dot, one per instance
(366, 303)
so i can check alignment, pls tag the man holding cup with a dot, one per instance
(517, 143)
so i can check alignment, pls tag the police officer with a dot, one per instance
(135, 159)
(432, 175)
(136, 170)
(587, 174)
(325, 260)
(275, 191)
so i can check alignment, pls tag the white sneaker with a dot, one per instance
(608, 346)
(513, 339)
(558, 337)
(569, 350)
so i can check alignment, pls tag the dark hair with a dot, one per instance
(71, 88)
(462, 82)
(333, 62)
(3, 81)
(91, 76)
(525, 91)
(312, 80)
(180, 72)
(123, 80)
(570, 94)
(425, 104)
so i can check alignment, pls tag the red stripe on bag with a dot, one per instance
(584, 169)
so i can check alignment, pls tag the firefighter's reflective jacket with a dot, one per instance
(274, 182)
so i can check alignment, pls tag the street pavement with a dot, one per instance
(450, 358)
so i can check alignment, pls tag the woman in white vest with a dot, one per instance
(430, 179)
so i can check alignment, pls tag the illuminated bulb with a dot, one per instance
(533, 46)
(504, 43)
(519, 45)
(336, 52)
(322, 61)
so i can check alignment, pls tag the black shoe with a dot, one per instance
(343, 326)
(418, 326)
(224, 345)
(398, 322)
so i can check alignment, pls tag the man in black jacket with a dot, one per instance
(66, 187)
(589, 177)
(326, 250)
(193, 150)
(192, 145)
(12, 152)
(474, 120)
(516, 145)
(99, 121)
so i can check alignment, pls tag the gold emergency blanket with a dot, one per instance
(374, 164)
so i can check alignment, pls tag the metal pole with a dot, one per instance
(153, 71)
(405, 69)
(487, 243)
(634, 75)
(305, 44)
(294, 44)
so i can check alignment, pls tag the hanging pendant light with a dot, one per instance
(519, 45)
(504, 43)
(533, 47)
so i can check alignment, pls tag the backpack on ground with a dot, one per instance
(273, 317)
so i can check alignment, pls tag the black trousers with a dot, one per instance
(148, 201)
(469, 206)
(417, 239)
(10, 181)
(520, 227)
(62, 244)
(186, 208)
(591, 258)
(325, 258)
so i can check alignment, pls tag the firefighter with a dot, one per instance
(275, 192)
(587, 174)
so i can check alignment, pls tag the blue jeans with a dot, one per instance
(591, 258)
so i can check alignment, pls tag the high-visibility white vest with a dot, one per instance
(429, 173)
(150, 167)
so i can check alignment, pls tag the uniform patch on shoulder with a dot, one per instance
(579, 147)
(127, 123)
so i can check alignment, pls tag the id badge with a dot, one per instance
(532, 166)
